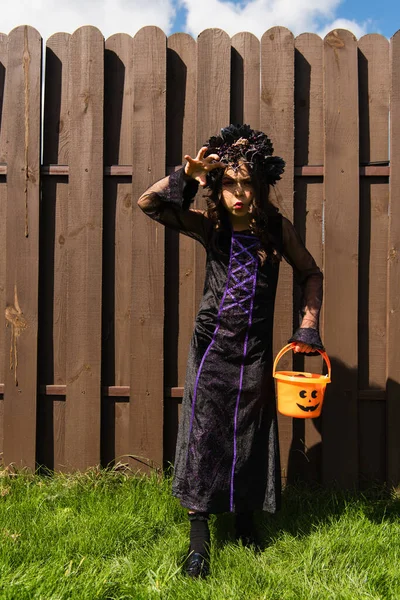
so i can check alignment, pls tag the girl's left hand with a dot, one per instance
(300, 347)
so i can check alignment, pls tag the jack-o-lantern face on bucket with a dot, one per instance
(311, 396)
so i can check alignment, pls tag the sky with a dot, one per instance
(193, 16)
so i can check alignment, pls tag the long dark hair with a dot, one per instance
(263, 216)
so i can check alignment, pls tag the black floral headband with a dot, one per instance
(240, 143)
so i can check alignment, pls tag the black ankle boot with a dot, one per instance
(197, 565)
(198, 561)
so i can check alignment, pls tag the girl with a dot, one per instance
(227, 456)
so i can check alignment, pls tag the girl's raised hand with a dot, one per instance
(301, 347)
(197, 168)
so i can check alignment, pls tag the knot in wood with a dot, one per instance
(392, 253)
(85, 97)
(16, 319)
(334, 40)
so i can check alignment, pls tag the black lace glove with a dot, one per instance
(309, 336)
(181, 189)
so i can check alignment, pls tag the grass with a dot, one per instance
(104, 535)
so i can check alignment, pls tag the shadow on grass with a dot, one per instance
(304, 509)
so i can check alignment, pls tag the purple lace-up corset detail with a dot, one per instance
(242, 276)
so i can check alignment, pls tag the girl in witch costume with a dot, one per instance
(227, 456)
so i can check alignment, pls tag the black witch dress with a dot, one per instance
(227, 454)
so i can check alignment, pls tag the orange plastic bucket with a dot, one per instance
(300, 395)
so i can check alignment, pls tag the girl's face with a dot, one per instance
(237, 191)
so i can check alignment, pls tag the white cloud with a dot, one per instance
(110, 16)
(259, 15)
(128, 16)
(359, 29)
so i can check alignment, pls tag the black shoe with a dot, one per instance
(197, 565)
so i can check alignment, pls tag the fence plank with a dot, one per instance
(147, 319)
(393, 301)
(53, 258)
(309, 139)
(84, 249)
(180, 259)
(306, 456)
(245, 80)
(180, 251)
(373, 59)
(341, 186)
(213, 84)
(277, 120)
(3, 209)
(117, 238)
(23, 86)
(213, 109)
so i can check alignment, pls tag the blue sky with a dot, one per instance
(372, 16)
(318, 16)
(193, 16)
(384, 15)
(381, 17)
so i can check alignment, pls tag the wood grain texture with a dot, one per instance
(341, 187)
(245, 80)
(309, 70)
(277, 120)
(180, 259)
(309, 122)
(23, 88)
(213, 83)
(393, 273)
(53, 252)
(117, 238)
(213, 110)
(84, 249)
(3, 211)
(374, 86)
(308, 205)
(147, 318)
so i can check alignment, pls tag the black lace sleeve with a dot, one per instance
(310, 278)
(167, 201)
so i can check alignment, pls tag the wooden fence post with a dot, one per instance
(213, 109)
(180, 302)
(306, 448)
(277, 120)
(374, 93)
(341, 186)
(23, 89)
(84, 249)
(4, 356)
(147, 316)
(53, 255)
(245, 80)
(393, 309)
(117, 249)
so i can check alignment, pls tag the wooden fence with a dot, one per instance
(99, 301)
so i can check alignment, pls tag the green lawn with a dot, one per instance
(106, 535)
